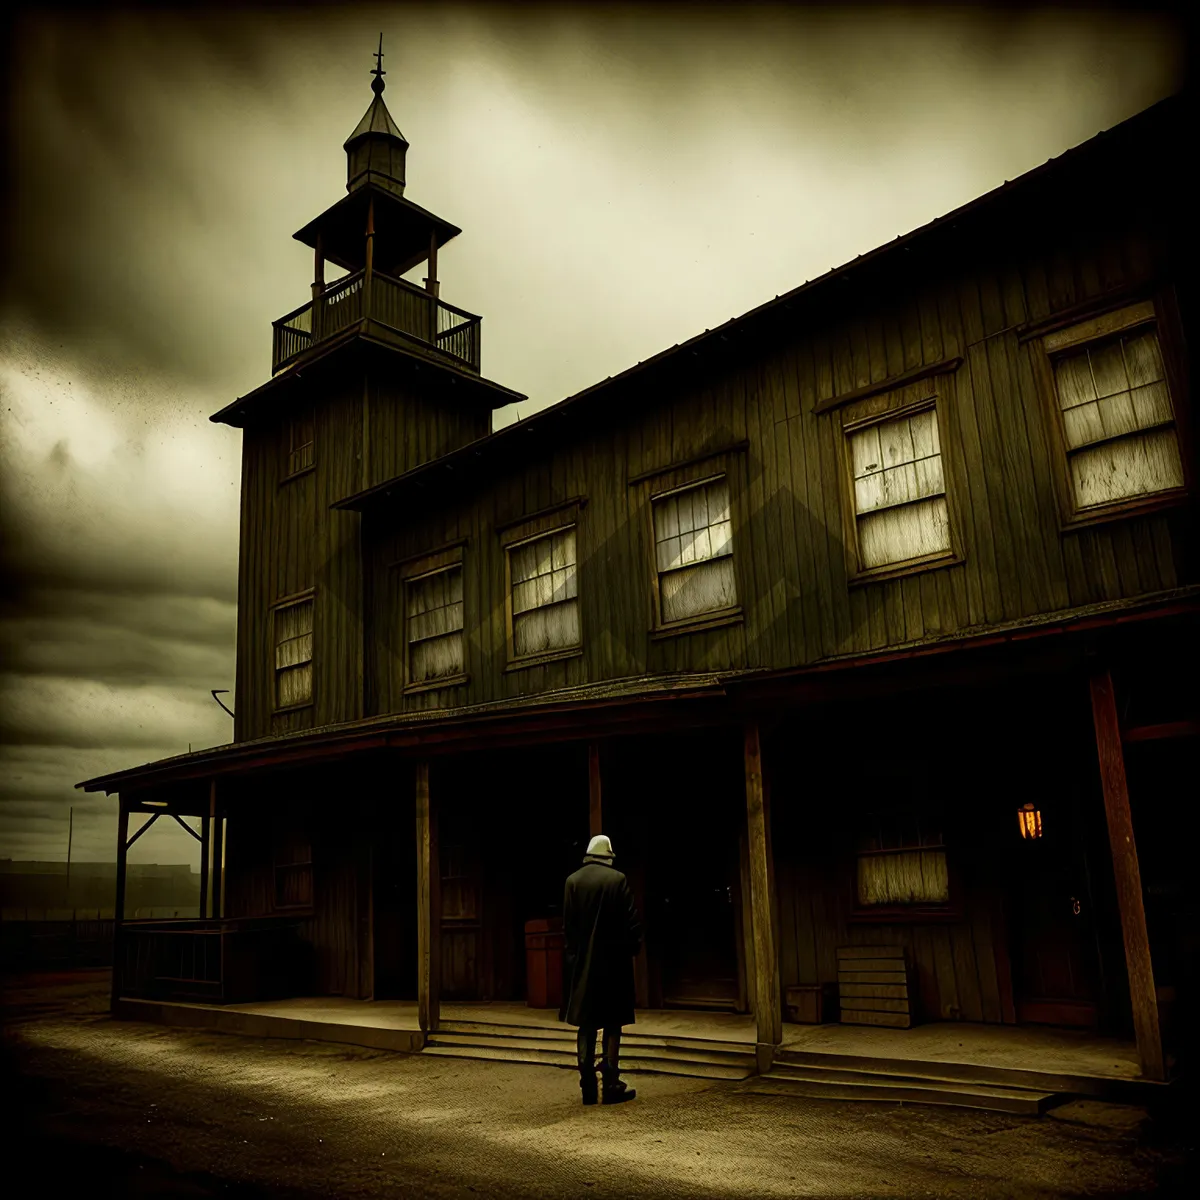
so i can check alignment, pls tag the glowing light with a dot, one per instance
(1030, 821)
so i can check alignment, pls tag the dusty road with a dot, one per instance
(122, 1109)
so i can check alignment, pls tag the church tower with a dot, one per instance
(370, 378)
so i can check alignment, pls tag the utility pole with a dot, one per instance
(70, 836)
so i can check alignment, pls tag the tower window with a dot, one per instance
(293, 653)
(300, 431)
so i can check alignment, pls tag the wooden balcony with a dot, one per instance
(401, 307)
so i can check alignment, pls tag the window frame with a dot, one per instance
(930, 394)
(294, 836)
(657, 491)
(291, 421)
(951, 909)
(1077, 331)
(292, 601)
(560, 519)
(649, 486)
(412, 571)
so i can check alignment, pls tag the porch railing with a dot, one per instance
(221, 961)
(396, 303)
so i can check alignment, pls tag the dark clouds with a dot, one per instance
(624, 179)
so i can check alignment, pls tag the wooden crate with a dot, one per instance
(875, 986)
(811, 1004)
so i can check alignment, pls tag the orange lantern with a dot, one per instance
(1030, 821)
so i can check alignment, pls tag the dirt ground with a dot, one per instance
(132, 1110)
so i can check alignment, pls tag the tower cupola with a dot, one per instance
(375, 150)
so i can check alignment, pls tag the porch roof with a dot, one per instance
(624, 705)
(563, 711)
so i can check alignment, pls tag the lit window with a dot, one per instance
(293, 653)
(902, 861)
(1117, 419)
(545, 594)
(693, 548)
(435, 625)
(899, 490)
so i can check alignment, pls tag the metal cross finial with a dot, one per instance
(377, 84)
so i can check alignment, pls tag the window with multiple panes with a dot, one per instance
(293, 653)
(434, 610)
(902, 861)
(292, 868)
(899, 490)
(300, 443)
(545, 590)
(693, 551)
(1118, 422)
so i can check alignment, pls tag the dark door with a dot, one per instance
(696, 926)
(1055, 961)
(690, 871)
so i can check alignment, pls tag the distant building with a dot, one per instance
(45, 891)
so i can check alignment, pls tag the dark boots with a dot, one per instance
(613, 1091)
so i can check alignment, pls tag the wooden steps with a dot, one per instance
(696, 1057)
(854, 1083)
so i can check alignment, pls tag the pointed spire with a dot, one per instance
(377, 84)
(376, 149)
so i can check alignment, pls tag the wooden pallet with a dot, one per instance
(875, 986)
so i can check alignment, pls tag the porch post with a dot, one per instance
(205, 833)
(369, 258)
(766, 987)
(217, 827)
(595, 816)
(318, 289)
(429, 950)
(1142, 993)
(119, 899)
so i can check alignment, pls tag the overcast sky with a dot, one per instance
(624, 180)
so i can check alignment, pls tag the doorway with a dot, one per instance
(673, 805)
(1056, 959)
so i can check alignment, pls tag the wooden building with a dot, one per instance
(865, 624)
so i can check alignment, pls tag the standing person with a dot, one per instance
(602, 934)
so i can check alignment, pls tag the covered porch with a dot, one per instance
(365, 863)
(1002, 1068)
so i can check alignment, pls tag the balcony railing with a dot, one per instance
(221, 961)
(401, 306)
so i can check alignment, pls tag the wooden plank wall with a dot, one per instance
(334, 931)
(787, 494)
(291, 541)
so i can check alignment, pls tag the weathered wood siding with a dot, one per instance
(799, 604)
(292, 542)
(964, 763)
(336, 930)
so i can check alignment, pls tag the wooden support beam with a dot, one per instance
(431, 281)
(595, 813)
(429, 878)
(217, 826)
(1142, 993)
(119, 900)
(768, 999)
(205, 831)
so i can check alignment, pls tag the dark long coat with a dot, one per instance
(601, 935)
